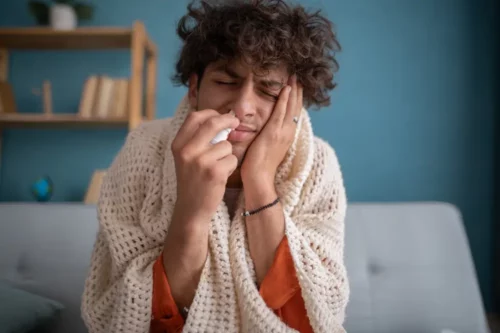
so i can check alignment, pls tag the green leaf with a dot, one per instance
(64, 2)
(40, 11)
(83, 11)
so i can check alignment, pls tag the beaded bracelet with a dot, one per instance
(252, 212)
(184, 312)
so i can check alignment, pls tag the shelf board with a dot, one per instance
(80, 38)
(37, 120)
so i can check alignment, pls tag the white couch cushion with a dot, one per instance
(409, 264)
(410, 270)
(45, 249)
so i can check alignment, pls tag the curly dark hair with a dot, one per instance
(264, 33)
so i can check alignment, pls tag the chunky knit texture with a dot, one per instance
(135, 208)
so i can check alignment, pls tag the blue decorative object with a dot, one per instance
(42, 189)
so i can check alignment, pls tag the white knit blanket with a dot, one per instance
(135, 208)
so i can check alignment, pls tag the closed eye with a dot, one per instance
(274, 97)
(225, 82)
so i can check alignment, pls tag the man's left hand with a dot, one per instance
(269, 148)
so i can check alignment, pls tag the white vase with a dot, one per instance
(63, 17)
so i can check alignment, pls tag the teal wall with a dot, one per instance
(411, 118)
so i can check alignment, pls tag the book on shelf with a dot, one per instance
(104, 97)
(88, 96)
(119, 105)
(4, 65)
(7, 99)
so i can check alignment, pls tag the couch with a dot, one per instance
(409, 264)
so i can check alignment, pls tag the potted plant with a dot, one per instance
(60, 14)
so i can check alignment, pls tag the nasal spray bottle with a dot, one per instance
(222, 135)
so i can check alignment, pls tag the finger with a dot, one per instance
(300, 100)
(299, 106)
(280, 107)
(228, 163)
(209, 129)
(218, 151)
(292, 102)
(192, 123)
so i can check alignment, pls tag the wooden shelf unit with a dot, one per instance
(142, 49)
(143, 52)
(79, 39)
(32, 120)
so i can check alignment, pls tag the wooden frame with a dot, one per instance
(142, 49)
(40, 38)
(4, 65)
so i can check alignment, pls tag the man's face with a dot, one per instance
(233, 86)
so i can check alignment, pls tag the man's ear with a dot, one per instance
(193, 91)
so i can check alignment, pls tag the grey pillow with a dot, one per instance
(21, 311)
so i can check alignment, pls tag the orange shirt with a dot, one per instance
(280, 290)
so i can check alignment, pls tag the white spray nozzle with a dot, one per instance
(222, 135)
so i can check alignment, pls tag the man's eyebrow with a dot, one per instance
(273, 84)
(268, 83)
(225, 69)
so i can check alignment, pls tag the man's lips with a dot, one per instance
(244, 128)
(241, 133)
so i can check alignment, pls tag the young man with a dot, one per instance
(245, 235)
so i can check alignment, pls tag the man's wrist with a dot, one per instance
(184, 247)
(262, 176)
(265, 229)
(259, 193)
(185, 235)
(185, 214)
(184, 254)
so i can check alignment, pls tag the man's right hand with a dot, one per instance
(202, 171)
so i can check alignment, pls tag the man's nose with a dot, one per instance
(244, 105)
